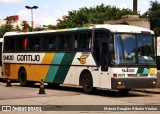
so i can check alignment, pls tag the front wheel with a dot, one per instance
(87, 83)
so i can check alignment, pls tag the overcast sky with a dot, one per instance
(50, 10)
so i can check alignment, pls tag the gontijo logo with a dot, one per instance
(83, 59)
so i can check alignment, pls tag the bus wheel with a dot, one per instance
(87, 83)
(124, 91)
(22, 76)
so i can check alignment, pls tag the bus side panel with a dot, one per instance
(10, 70)
(35, 72)
(60, 67)
(106, 79)
(72, 76)
(78, 66)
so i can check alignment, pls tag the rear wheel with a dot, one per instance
(22, 76)
(87, 83)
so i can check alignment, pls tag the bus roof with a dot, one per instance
(112, 28)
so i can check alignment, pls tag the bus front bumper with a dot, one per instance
(128, 83)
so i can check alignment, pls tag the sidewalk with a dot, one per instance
(153, 90)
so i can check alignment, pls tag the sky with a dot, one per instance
(50, 11)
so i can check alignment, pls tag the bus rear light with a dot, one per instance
(114, 75)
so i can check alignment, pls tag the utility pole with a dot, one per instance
(135, 7)
(31, 8)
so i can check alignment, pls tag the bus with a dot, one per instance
(116, 57)
(1, 41)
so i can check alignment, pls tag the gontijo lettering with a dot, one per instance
(28, 57)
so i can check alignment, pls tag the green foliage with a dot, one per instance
(25, 27)
(93, 15)
(153, 14)
(5, 28)
(51, 27)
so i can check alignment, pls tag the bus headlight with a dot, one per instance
(154, 82)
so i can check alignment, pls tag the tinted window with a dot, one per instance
(82, 41)
(9, 44)
(49, 42)
(35, 43)
(64, 41)
(22, 43)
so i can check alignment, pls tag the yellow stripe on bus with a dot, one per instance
(40, 71)
(48, 58)
(152, 70)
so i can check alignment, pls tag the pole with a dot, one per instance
(135, 7)
(31, 8)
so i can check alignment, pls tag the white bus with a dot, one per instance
(118, 57)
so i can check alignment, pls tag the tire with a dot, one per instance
(87, 83)
(22, 76)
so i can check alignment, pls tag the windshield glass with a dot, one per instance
(133, 49)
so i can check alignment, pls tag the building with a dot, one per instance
(15, 21)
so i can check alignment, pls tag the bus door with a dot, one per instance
(105, 56)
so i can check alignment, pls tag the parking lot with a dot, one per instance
(64, 96)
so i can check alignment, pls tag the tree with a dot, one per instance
(93, 15)
(51, 27)
(26, 27)
(5, 28)
(153, 13)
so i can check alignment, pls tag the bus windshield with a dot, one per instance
(133, 49)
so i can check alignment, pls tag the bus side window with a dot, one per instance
(25, 41)
(64, 41)
(75, 41)
(31, 43)
(67, 44)
(37, 43)
(51, 42)
(84, 41)
(44, 39)
(9, 44)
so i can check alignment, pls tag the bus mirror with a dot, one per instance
(111, 48)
